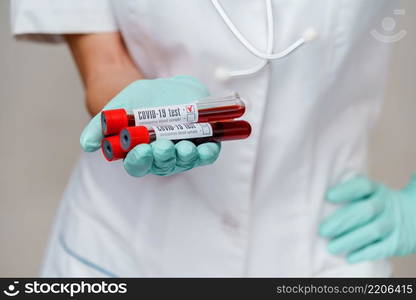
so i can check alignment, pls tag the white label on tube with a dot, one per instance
(183, 131)
(173, 114)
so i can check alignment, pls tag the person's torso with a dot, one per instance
(256, 210)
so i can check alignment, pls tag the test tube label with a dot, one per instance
(173, 114)
(183, 131)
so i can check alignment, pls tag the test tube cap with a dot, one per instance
(132, 136)
(113, 121)
(111, 148)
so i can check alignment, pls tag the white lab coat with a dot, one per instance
(256, 211)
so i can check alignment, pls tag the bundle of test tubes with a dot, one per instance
(210, 119)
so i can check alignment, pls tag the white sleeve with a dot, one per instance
(46, 20)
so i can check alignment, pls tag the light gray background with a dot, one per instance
(42, 114)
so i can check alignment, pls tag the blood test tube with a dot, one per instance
(197, 133)
(214, 108)
(111, 148)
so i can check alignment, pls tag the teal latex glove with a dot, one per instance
(375, 222)
(161, 157)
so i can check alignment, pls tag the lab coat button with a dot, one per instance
(230, 221)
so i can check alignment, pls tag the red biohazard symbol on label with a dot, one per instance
(189, 108)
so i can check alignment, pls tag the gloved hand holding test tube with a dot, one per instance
(173, 98)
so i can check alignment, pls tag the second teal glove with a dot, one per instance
(162, 157)
(375, 223)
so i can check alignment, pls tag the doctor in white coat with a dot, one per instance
(256, 211)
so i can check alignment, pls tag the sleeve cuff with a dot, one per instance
(49, 22)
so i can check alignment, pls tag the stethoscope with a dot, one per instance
(223, 74)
